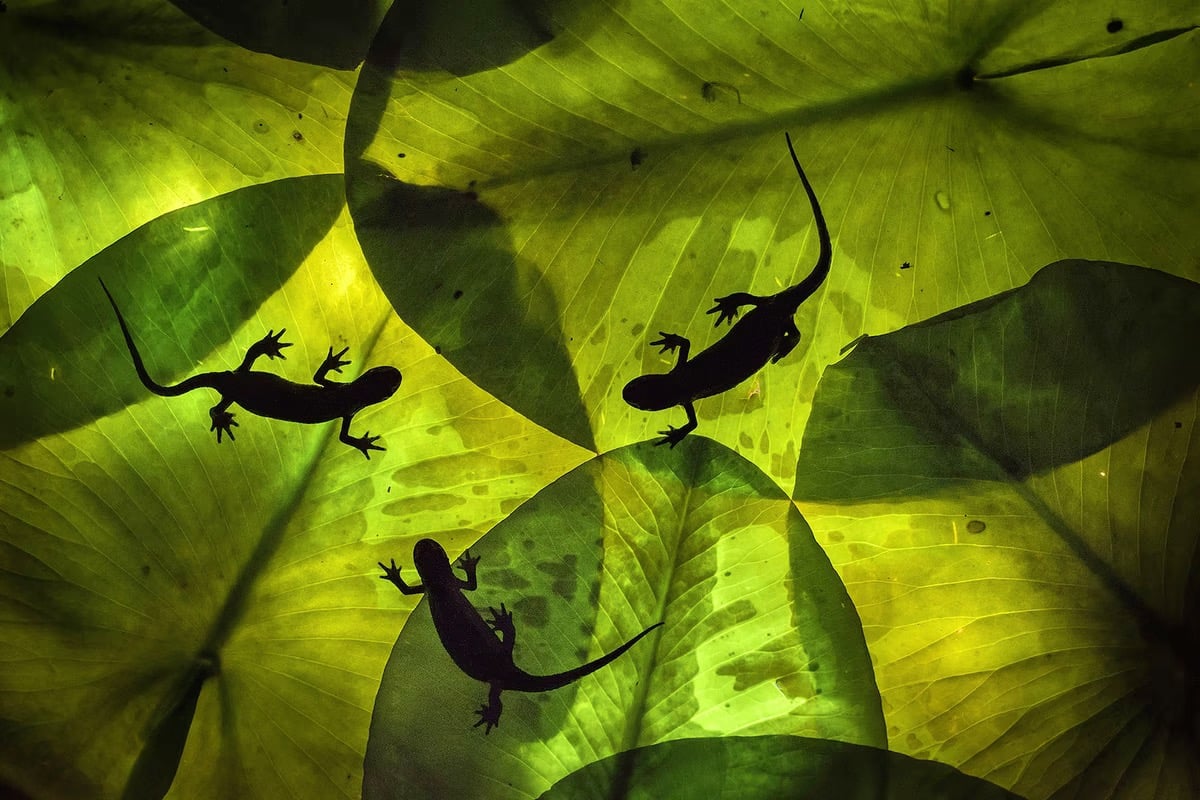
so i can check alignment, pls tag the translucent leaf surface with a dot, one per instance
(768, 768)
(1010, 493)
(185, 282)
(138, 554)
(112, 113)
(616, 179)
(334, 34)
(758, 635)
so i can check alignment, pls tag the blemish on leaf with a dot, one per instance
(813, 666)
(637, 328)
(942, 199)
(401, 155)
(987, 213)
(1114, 26)
(480, 489)
(906, 265)
(261, 126)
(836, 536)
(298, 136)
(744, 440)
(976, 526)
(457, 293)
(564, 575)
(1178, 424)
(533, 611)
(528, 544)
(145, 570)
(637, 157)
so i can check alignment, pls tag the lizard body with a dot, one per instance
(765, 334)
(482, 649)
(269, 395)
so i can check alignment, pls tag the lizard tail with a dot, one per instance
(147, 381)
(806, 287)
(544, 683)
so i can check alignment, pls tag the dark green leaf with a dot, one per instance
(759, 636)
(768, 768)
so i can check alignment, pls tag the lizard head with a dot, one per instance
(379, 383)
(651, 392)
(430, 559)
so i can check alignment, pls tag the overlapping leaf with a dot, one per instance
(768, 768)
(112, 113)
(1009, 492)
(616, 179)
(758, 635)
(145, 567)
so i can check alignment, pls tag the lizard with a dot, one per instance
(269, 395)
(481, 648)
(765, 334)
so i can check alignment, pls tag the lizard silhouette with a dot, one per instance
(269, 395)
(766, 333)
(483, 649)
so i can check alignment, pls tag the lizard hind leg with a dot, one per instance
(489, 712)
(222, 419)
(502, 623)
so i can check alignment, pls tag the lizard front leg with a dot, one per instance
(331, 362)
(673, 435)
(489, 712)
(222, 419)
(470, 565)
(729, 305)
(268, 346)
(673, 341)
(392, 574)
(364, 443)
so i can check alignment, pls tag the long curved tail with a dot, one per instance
(544, 683)
(147, 381)
(801, 291)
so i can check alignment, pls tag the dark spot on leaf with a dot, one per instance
(637, 157)
(528, 544)
(298, 136)
(637, 328)
(145, 570)
(906, 265)
(401, 155)
(987, 213)
(727, 573)
(813, 666)
(1114, 25)
(976, 526)
(533, 611)
(836, 536)
(389, 490)
(457, 293)
(965, 79)
(437, 348)
(261, 126)
(299, 116)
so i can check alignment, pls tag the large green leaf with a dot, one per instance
(144, 568)
(616, 179)
(335, 34)
(1010, 493)
(758, 636)
(185, 283)
(767, 768)
(112, 113)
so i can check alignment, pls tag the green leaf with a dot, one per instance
(1009, 492)
(315, 31)
(758, 634)
(767, 768)
(634, 168)
(185, 283)
(146, 567)
(113, 113)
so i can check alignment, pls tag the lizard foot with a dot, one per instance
(488, 715)
(672, 436)
(364, 443)
(271, 346)
(502, 621)
(391, 573)
(467, 562)
(727, 306)
(222, 422)
(334, 362)
(669, 342)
